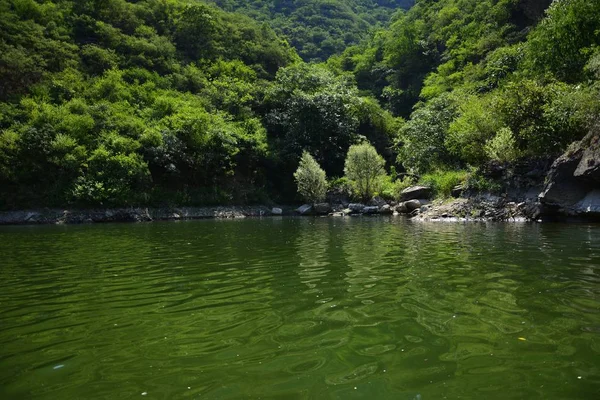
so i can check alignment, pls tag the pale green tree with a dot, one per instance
(311, 179)
(365, 169)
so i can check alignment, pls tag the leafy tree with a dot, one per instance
(502, 147)
(564, 41)
(365, 170)
(422, 139)
(310, 179)
(476, 123)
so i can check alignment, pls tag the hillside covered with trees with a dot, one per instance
(484, 80)
(154, 102)
(319, 29)
(162, 102)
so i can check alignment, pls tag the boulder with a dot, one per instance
(412, 205)
(356, 207)
(574, 178)
(386, 209)
(276, 211)
(416, 192)
(401, 208)
(377, 201)
(322, 208)
(305, 209)
(457, 190)
(370, 210)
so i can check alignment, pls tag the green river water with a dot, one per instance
(300, 308)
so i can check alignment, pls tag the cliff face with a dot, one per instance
(573, 183)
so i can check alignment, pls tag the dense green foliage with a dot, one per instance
(161, 101)
(311, 179)
(115, 102)
(484, 80)
(319, 28)
(364, 169)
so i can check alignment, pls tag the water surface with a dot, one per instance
(300, 308)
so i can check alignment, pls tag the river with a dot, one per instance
(300, 308)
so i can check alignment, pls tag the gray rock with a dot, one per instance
(401, 208)
(412, 205)
(590, 203)
(322, 208)
(574, 178)
(276, 211)
(305, 209)
(356, 207)
(370, 210)
(416, 192)
(377, 201)
(386, 209)
(457, 191)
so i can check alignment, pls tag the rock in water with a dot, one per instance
(412, 205)
(416, 192)
(276, 211)
(401, 208)
(573, 183)
(386, 209)
(322, 208)
(356, 207)
(306, 209)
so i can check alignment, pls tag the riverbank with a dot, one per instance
(567, 189)
(132, 214)
(478, 208)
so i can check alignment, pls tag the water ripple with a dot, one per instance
(300, 308)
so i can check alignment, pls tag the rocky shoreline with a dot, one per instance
(132, 214)
(568, 188)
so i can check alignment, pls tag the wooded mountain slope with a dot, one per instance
(319, 28)
(484, 80)
(112, 102)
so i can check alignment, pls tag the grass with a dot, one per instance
(443, 182)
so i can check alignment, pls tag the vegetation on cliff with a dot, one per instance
(484, 80)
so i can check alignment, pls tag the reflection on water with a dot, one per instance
(300, 308)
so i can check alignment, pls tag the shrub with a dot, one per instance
(311, 179)
(443, 182)
(469, 132)
(391, 189)
(502, 147)
(476, 181)
(422, 139)
(364, 168)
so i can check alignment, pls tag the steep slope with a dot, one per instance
(484, 80)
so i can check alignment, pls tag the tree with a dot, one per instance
(311, 179)
(364, 169)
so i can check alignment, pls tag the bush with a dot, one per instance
(391, 189)
(442, 182)
(311, 179)
(469, 132)
(503, 147)
(479, 183)
(364, 168)
(422, 139)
